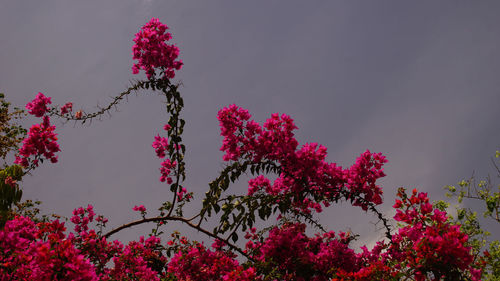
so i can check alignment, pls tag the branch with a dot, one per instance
(183, 220)
(372, 207)
(139, 85)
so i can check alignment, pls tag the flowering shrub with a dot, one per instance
(428, 242)
(152, 51)
(305, 175)
(41, 141)
(67, 108)
(38, 106)
(426, 245)
(195, 262)
(40, 252)
(289, 254)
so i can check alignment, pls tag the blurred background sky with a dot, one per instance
(415, 80)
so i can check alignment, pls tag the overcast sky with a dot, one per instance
(415, 80)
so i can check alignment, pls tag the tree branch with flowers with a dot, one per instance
(426, 245)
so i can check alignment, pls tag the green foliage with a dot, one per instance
(30, 209)
(10, 193)
(492, 261)
(238, 210)
(11, 134)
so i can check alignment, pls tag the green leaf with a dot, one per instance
(491, 203)
(216, 208)
(461, 214)
(234, 237)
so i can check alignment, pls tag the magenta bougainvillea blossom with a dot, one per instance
(160, 145)
(42, 140)
(38, 106)
(306, 176)
(428, 243)
(152, 51)
(288, 249)
(197, 263)
(68, 107)
(41, 251)
(425, 246)
(139, 208)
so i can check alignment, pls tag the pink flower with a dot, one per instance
(197, 263)
(38, 106)
(257, 183)
(139, 208)
(160, 145)
(152, 52)
(66, 108)
(305, 173)
(166, 167)
(27, 255)
(10, 181)
(428, 241)
(41, 141)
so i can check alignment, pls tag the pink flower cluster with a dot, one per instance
(291, 255)
(152, 51)
(38, 106)
(41, 140)
(196, 263)
(82, 217)
(10, 181)
(139, 260)
(429, 243)
(139, 208)
(305, 173)
(43, 251)
(161, 145)
(68, 107)
(428, 246)
(40, 252)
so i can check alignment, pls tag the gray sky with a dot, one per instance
(415, 80)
